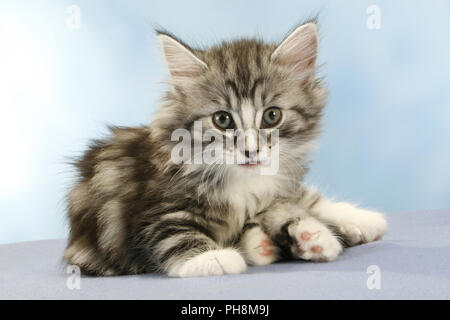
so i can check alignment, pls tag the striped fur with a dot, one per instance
(133, 210)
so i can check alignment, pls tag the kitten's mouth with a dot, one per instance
(250, 165)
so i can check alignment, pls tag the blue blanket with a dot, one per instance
(411, 262)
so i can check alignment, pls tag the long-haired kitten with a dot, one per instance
(137, 209)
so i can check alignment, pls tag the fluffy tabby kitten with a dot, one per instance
(133, 210)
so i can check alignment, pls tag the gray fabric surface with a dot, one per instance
(414, 260)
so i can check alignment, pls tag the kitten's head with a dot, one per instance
(245, 88)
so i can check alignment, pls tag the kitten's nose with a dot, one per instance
(251, 154)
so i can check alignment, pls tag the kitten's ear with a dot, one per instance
(298, 51)
(181, 61)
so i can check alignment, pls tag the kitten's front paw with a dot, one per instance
(210, 263)
(361, 225)
(257, 247)
(313, 241)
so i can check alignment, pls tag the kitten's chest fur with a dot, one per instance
(244, 197)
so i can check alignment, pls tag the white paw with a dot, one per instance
(313, 241)
(210, 263)
(361, 226)
(257, 247)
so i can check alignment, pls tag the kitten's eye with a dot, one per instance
(223, 120)
(271, 117)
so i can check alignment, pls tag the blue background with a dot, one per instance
(386, 139)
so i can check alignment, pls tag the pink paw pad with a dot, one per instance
(305, 236)
(267, 247)
(316, 249)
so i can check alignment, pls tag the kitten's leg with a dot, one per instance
(355, 224)
(256, 246)
(185, 248)
(300, 235)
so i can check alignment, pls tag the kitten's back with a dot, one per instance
(112, 177)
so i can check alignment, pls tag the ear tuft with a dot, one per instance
(181, 61)
(299, 50)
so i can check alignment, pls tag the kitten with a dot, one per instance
(135, 210)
